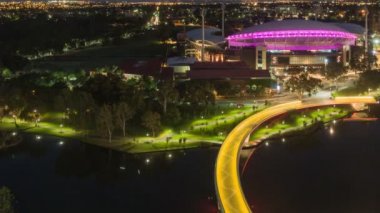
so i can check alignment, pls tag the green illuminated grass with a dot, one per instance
(296, 121)
(201, 132)
(198, 133)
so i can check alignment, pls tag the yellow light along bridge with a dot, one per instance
(230, 195)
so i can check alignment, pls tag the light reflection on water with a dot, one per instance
(332, 170)
(49, 174)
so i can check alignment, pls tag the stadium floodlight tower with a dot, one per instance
(203, 14)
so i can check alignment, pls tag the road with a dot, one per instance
(230, 195)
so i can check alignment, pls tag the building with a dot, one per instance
(280, 45)
(213, 44)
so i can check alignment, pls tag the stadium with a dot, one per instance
(280, 45)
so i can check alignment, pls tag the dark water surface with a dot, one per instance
(46, 176)
(318, 173)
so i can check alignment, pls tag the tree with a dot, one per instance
(35, 116)
(334, 70)
(82, 106)
(15, 113)
(258, 86)
(6, 200)
(104, 121)
(198, 94)
(123, 113)
(360, 60)
(166, 94)
(152, 121)
(302, 83)
(369, 80)
(2, 113)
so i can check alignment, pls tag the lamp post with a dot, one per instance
(203, 13)
(365, 12)
(223, 10)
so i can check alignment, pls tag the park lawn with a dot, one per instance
(222, 123)
(51, 125)
(94, 57)
(43, 128)
(215, 132)
(163, 146)
(264, 132)
(356, 91)
(299, 122)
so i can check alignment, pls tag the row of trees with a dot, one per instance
(104, 103)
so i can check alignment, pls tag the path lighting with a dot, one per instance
(266, 143)
(334, 121)
(331, 131)
(14, 133)
(170, 156)
(278, 88)
(283, 140)
(61, 143)
(147, 134)
(147, 161)
(38, 137)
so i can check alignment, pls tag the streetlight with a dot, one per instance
(326, 63)
(223, 10)
(331, 131)
(203, 14)
(365, 12)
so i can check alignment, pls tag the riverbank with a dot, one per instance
(129, 145)
(8, 140)
(296, 123)
(196, 133)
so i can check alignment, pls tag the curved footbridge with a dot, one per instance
(230, 195)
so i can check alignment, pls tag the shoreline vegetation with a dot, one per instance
(9, 139)
(198, 133)
(201, 132)
(297, 122)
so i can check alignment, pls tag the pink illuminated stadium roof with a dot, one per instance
(294, 35)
